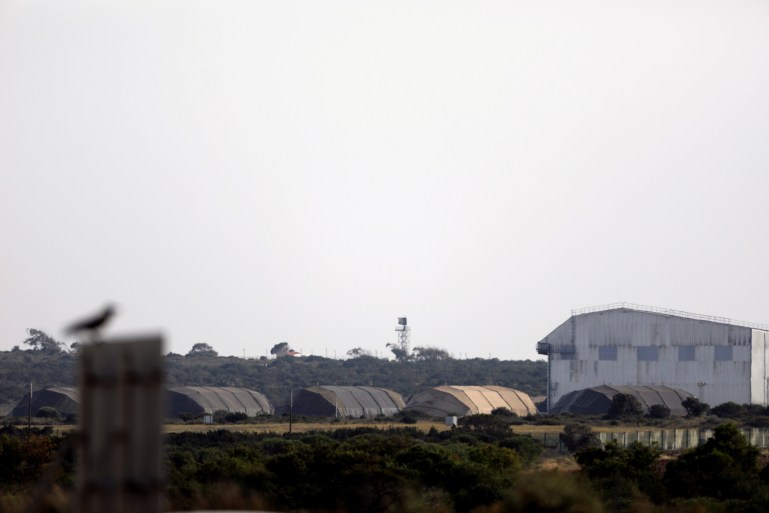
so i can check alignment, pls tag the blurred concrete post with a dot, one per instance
(122, 405)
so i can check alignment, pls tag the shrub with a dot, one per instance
(48, 412)
(550, 491)
(694, 407)
(725, 467)
(623, 405)
(728, 410)
(235, 417)
(579, 436)
(659, 411)
(526, 447)
(619, 473)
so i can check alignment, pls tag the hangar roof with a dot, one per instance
(667, 311)
(347, 401)
(64, 399)
(469, 400)
(597, 400)
(195, 400)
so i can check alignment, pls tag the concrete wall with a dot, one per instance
(723, 365)
(759, 381)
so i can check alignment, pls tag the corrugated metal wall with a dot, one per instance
(759, 381)
(711, 376)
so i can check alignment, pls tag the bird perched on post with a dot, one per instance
(92, 325)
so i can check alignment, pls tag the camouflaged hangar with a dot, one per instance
(458, 401)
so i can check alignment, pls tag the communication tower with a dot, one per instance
(403, 332)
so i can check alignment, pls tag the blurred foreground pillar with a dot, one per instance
(121, 411)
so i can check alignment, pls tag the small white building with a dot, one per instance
(715, 359)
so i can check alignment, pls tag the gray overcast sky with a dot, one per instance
(245, 173)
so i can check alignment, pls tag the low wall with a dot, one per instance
(678, 439)
(665, 439)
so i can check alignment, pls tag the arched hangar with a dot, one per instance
(597, 400)
(65, 400)
(347, 401)
(470, 400)
(200, 400)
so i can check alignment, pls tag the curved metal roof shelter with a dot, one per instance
(597, 400)
(65, 400)
(347, 401)
(197, 400)
(470, 400)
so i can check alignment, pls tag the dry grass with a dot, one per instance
(302, 427)
(298, 427)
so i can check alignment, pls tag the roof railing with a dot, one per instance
(667, 311)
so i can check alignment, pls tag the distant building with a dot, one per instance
(347, 401)
(597, 400)
(208, 400)
(714, 359)
(446, 401)
(64, 400)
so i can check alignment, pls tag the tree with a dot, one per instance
(40, 341)
(579, 436)
(659, 411)
(728, 410)
(280, 349)
(202, 349)
(357, 352)
(619, 473)
(625, 405)
(430, 354)
(694, 407)
(401, 351)
(725, 467)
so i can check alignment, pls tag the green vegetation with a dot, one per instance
(478, 467)
(577, 437)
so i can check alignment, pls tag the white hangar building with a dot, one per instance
(714, 359)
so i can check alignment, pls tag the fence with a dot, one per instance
(665, 439)
(679, 439)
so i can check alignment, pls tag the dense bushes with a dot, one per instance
(473, 468)
(623, 475)
(25, 456)
(725, 467)
(721, 475)
(348, 469)
(479, 467)
(576, 437)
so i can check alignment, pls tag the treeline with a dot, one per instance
(276, 377)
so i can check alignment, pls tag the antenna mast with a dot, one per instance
(404, 333)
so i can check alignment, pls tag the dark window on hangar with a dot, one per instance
(607, 353)
(647, 353)
(685, 353)
(723, 353)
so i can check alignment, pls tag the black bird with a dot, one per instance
(92, 324)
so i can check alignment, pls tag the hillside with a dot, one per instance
(276, 377)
